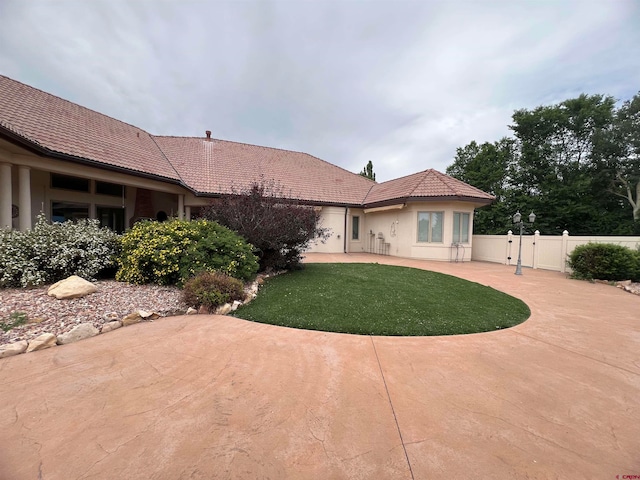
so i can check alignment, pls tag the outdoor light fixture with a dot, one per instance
(517, 220)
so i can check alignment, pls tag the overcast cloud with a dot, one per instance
(400, 83)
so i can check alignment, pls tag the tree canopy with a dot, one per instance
(367, 171)
(576, 164)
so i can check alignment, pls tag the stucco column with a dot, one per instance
(180, 207)
(24, 197)
(187, 212)
(5, 195)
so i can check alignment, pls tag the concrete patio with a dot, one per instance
(205, 396)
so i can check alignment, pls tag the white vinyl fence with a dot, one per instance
(548, 252)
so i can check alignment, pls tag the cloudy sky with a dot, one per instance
(400, 83)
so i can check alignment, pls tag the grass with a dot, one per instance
(15, 320)
(372, 299)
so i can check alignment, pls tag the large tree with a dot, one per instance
(626, 139)
(575, 164)
(488, 168)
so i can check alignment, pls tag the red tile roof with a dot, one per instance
(54, 126)
(219, 166)
(427, 184)
(59, 126)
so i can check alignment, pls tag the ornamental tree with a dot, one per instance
(279, 228)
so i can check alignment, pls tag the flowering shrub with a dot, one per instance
(212, 289)
(53, 251)
(168, 253)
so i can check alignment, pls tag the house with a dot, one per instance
(71, 162)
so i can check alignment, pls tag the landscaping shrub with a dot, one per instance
(604, 261)
(169, 253)
(279, 228)
(212, 289)
(53, 251)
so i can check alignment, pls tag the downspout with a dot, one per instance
(346, 211)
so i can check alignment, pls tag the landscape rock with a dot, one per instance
(108, 327)
(148, 315)
(203, 310)
(235, 305)
(624, 283)
(223, 309)
(11, 349)
(80, 332)
(131, 319)
(111, 316)
(46, 340)
(191, 311)
(36, 320)
(71, 287)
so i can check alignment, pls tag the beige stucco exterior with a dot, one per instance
(393, 230)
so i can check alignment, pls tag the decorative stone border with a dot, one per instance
(88, 330)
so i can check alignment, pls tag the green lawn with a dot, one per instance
(372, 299)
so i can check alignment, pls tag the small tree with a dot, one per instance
(280, 229)
(367, 171)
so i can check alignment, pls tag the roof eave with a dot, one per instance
(317, 203)
(42, 151)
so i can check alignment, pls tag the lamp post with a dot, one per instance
(517, 220)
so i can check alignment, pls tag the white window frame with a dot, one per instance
(458, 221)
(430, 232)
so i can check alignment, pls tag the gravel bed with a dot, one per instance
(112, 300)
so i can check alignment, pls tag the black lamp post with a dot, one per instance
(517, 220)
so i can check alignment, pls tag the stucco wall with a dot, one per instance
(333, 219)
(399, 231)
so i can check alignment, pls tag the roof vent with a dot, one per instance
(208, 132)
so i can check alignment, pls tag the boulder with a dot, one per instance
(131, 319)
(191, 311)
(11, 349)
(107, 327)
(72, 287)
(223, 309)
(46, 340)
(80, 332)
(236, 304)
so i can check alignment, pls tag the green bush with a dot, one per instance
(212, 289)
(604, 261)
(168, 253)
(53, 251)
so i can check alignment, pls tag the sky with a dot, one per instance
(401, 83)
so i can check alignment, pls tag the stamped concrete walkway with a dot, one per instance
(210, 397)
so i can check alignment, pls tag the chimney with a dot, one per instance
(208, 132)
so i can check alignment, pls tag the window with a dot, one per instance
(430, 227)
(63, 211)
(112, 189)
(111, 217)
(355, 228)
(67, 182)
(460, 227)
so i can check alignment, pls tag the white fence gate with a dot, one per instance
(548, 252)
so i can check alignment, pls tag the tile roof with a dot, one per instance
(219, 166)
(427, 184)
(53, 126)
(60, 126)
